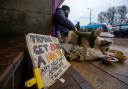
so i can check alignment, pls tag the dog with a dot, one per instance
(87, 46)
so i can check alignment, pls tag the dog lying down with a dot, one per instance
(84, 46)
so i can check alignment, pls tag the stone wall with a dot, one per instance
(18, 17)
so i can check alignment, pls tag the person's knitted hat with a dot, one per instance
(65, 7)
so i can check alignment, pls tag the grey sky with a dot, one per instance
(79, 11)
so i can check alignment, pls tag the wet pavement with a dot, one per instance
(105, 76)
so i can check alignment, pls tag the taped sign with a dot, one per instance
(46, 54)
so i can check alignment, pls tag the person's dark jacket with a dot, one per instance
(63, 24)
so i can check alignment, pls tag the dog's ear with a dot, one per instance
(97, 32)
(109, 43)
(105, 43)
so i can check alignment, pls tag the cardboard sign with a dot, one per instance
(46, 54)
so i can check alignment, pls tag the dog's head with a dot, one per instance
(100, 43)
(105, 46)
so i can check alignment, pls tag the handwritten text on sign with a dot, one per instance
(47, 55)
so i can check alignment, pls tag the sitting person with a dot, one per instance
(62, 24)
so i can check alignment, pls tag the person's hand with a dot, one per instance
(75, 30)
